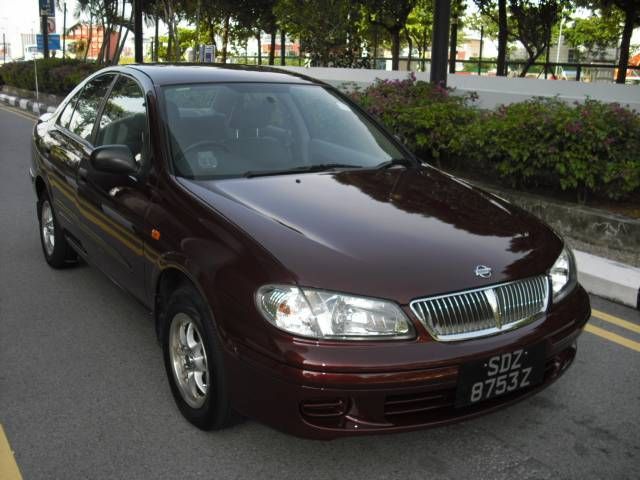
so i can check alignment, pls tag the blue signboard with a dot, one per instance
(48, 8)
(54, 42)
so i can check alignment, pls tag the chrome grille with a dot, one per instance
(483, 311)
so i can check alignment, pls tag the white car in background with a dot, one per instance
(31, 53)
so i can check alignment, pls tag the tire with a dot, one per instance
(57, 251)
(192, 350)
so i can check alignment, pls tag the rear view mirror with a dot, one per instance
(116, 159)
(45, 117)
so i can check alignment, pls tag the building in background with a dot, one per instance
(81, 35)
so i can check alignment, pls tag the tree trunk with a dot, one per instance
(111, 13)
(425, 44)
(453, 45)
(116, 60)
(502, 38)
(90, 35)
(395, 48)
(103, 46)
(225, 38)
(272, 50)
(530, 61)
(156, 39)
(410, 43)
(173, 48)
(116, 56)
(283, 47)
(259, 38)
(375, 45)
(625, 43)
(176, 41)
(107, 40)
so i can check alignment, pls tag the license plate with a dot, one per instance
(500, 375)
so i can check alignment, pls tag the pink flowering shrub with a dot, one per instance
(590, 148)
(426, 117)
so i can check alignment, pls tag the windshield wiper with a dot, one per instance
(302, 169)
(405, 162)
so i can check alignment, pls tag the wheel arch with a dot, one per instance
(41, 187)
(169, 279)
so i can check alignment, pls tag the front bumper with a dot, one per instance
(321, 404)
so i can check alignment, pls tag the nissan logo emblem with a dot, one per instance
(483, 271)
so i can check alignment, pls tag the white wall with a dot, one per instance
(492, 91)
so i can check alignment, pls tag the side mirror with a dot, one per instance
(116, 159)
(45, 117)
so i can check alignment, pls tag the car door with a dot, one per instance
(119, 203)
(68, 144)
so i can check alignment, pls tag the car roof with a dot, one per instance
(173, 74)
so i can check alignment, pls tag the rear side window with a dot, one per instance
(86, 109)
(124, 118)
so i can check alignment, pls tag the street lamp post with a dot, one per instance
(64, 30)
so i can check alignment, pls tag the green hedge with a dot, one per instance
(589, 148)
(55, 75)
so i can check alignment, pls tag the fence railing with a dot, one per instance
(586, 72)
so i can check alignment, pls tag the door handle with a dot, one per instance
(82, 173)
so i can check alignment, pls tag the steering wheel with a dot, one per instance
(203, 143)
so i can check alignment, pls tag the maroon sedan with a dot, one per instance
(303, 268)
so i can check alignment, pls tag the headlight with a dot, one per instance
(562, 274)
(328, 315)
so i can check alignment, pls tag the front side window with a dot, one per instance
(86, 109)
(65, 117)
(229, 130)
(124, 118)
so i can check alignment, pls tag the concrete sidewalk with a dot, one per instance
(609, 279)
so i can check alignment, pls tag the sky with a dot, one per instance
(21, 16)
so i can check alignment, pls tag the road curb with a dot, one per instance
(609, 279)
(31, 106)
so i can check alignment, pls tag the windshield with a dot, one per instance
(236, 129)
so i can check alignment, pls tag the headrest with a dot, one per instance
(256, 115)
(224, 101)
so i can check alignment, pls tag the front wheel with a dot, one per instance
(57, 252)
(194, 361)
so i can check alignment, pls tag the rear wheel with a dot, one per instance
(57, 252)
(194, 361)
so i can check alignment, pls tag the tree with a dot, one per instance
(631, 10)
(534, 21)
(328, 29)
(392, 16)
(595, 34)
(496, 10)
(458, 7)
(419, 27)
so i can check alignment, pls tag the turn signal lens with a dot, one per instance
(562, 274)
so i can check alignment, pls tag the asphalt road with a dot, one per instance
(83, 392)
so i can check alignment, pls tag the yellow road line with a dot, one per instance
(18, 112)
(634, 327)
(8, 467)
(613, 337)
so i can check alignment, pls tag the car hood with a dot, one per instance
(399, 233)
